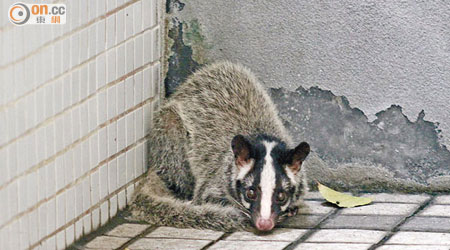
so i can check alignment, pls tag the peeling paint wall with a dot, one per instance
(386, 122)
(180, 62)
(391, 152)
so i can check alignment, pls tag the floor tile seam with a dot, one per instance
(396, 228)
(418, 244)
(259, 240)
(337, 242)
(221, 238)
(372, 215)
(425, 230)
(358, 229)
(311, 231)
(382, 202)
(137, 237)
(175, 238)
(432, 216)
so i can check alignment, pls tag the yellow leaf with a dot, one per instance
(340, 199)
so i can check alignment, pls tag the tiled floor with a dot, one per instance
(392, 222)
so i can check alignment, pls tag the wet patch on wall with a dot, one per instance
(391, 153)
(187, 47)
(194, 38)
(174, 5)
(180, 62)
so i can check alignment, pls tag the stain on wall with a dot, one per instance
(180, 62)
(174, 5)
(194, 38)
(187, 47)
(342, 136)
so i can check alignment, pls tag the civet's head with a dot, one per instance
(267, 178)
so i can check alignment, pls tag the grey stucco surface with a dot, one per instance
(390, 153)
(371, 54)
(375, 53)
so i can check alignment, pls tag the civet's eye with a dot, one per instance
(251, 194)
(281, 197)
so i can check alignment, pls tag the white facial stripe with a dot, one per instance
(244, 170)
(268, 182)
(291, 176)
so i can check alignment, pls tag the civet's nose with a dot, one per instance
(265, 225)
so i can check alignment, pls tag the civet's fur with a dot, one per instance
(195, 156)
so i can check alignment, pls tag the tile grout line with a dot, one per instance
(137, 237)
(311, 231)
(396, 228)
(379, 202)
(75, 182)
(76, 142)
(69, 33)
(81, 102)
(78, 180)
(79, 66)
(184, 238)
(90, 210)
(224, 236)
(78, 104)
(91, 170)
(9, 25)
(94, 215)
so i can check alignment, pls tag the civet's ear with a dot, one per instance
(241, 149)
(296, 156)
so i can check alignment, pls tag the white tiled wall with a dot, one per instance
(76, 102)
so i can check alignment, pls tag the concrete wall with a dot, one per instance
(369, 54)
(76, 102)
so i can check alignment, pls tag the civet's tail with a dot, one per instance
(158, 207)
